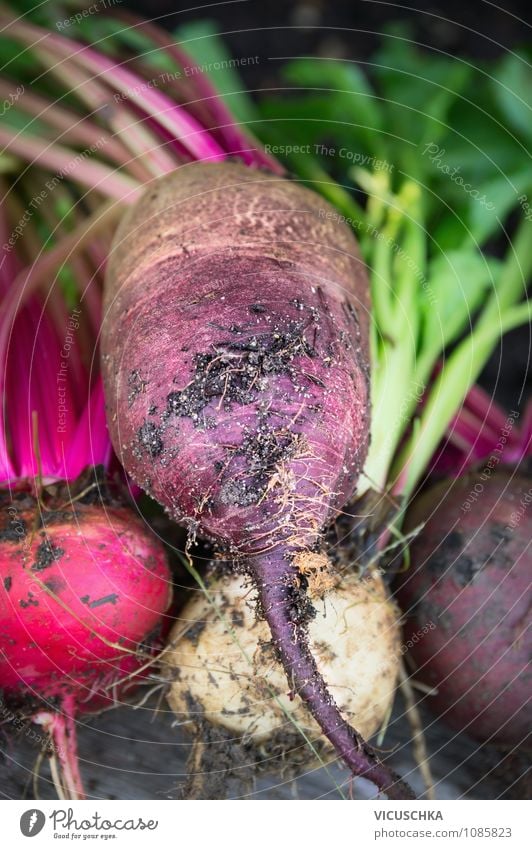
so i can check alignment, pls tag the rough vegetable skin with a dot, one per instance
(235, 364)
(470, 576)
(234, 349)
(83, 588)
(221, 661)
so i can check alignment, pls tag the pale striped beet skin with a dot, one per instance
(235, 362)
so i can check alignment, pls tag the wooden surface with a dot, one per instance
(131, 753)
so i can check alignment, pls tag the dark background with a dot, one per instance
(350, 27)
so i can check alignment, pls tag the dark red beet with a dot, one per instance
(470, 577)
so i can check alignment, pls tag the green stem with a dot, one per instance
(377, 187)
(512, 282)
(447, 394)
(466, 362)
(384, 308)
(395, 389)
(391, 388)
(410, 262)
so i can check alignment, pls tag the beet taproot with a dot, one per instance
(235, 362)
(222, 661)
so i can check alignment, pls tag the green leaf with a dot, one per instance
(322, 123)
(16, 63)
(69, 287)
(18, 120)
(44, 14)
(64, 208)
(412, 77)
(347, 87)
(8, 163)
(202, 42)
(420, 90)
(450, 231)
(480, 143)
(112, 37)
(436, 110)
(513, 92)
(457, 284)
(502, 195)
(299, 119)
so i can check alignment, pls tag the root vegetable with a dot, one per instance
(83, 583)
(470, 577)
(83, 591)
(222, 661)
(235, 363)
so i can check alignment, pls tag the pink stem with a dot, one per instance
(81, 131)
(467, 432)
(62, 729)
(123, 121)
(91, 444)
(94, 175)
(479, 402)
(9, 268)
(171, 116)
(15, 298)
(235, 139)
(526, 432)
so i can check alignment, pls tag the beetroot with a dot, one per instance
(221, 662)
(83, 590)
(470, 577)
(235, 363)
(83, 584)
